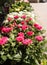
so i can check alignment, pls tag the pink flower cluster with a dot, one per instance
(3, 40)
(37, 26)
(21, 34)
(27, 42)
(6, 29)
(22, 22)
(39, 38)
(30, 33)
(24, 16)
(16, 17)
(23, 25)
(9, 18)
(20, 38)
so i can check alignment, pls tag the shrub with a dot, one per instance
(21, 39)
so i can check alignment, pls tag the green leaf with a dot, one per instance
(36, 61)
(4, 57)
(44, 62)
(12, 36)
(17, 57)
(9, 56)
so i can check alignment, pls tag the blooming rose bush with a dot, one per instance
(21, 39)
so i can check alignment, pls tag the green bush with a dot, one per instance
(20, 6)
(21, 37)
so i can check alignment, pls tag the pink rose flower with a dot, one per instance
(22, 22)
(30, 33)
(30, 19)
(16, 17)
(19, 39)
(24, 27)
(6, 29)
(37, 26)
(3, 40)
(24, 16)
(27, 42)
(39, 38)
(21, 34)
(9, 18)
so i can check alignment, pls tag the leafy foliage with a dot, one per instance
(44, 62)
(20, 6)
(21, 38)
